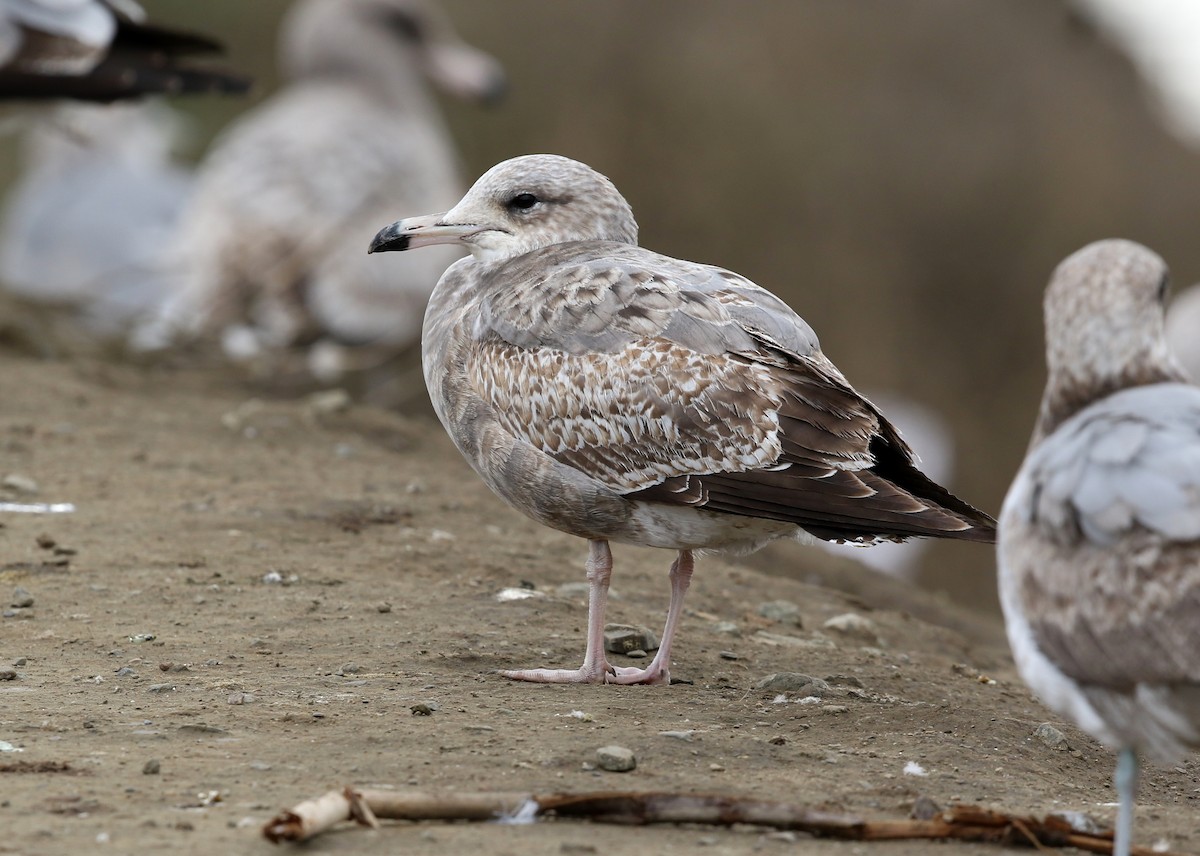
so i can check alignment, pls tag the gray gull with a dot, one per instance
(100, 50)
(618, 394)
(1099, 541)
(267, 245)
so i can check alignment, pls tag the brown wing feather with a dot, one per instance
(659, 422)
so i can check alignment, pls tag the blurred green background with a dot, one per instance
(905, 174)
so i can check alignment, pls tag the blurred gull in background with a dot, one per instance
(1160, 36)
(85, 227)
(1099, 548)
(272, 240)
(99, 50)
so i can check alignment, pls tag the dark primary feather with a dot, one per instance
(143, 59)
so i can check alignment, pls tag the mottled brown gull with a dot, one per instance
(1099, 545)
(618, 394)
(267, 245)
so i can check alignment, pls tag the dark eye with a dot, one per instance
(1164, 286)
(407, 26)
(522, 202)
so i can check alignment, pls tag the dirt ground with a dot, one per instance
(253, 595)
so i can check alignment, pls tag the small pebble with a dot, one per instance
(1051, 736)
(8, 675)
(785, 836)
(854, 626)
(729, 655)
(622, 638)
(576, 847)
(421, 710)
(161, 688)
(152, 767)
(19, 483)
(21, 599)
(729, 628)
(781, 610)
(636, 654)
(615, 759)
(924, 808)
(794, 682)
(240, 698)
(46, 542)
(20, 661)
(843, 681)
(383, 607)
(328, 401)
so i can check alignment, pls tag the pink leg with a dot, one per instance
(659, 670)
(595, 666)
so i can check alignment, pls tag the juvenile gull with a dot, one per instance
(99, 50)
(1099, 545)
(618, 394)
(267, 243)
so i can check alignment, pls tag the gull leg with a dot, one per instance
(595, 665)
(1126, 780)
(659, 670)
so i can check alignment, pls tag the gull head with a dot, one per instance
(389, 46)
(1104, 326)
(519, 206)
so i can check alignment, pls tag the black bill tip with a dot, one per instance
(389, 239)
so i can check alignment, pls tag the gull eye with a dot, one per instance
(1164, 286)
(522, 202)
(407, 26)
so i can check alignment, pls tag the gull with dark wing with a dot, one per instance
(618, 394)
(1099, 545)
(100, 50)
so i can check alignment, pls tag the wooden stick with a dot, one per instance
(964, 822)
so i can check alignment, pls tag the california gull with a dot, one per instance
(1099, 544)
(100, 50)
(268, 248)
(618, 394)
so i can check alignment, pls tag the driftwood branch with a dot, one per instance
(963, 823)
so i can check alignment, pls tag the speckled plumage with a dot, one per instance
(619, 394)
(1099, 546)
